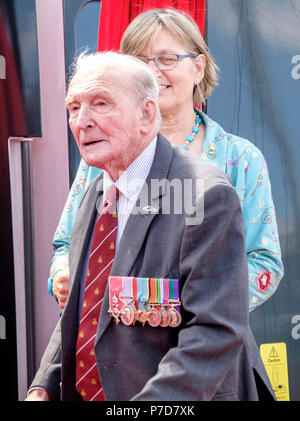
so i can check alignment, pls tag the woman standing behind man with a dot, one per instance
(170, 42)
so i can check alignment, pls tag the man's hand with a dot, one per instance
(60, 286)
(38, 395)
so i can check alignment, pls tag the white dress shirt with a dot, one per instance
(129, 185)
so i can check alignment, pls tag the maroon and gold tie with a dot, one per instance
(100, 261)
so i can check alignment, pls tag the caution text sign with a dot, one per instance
(274, 357)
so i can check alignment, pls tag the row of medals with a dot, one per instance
(155, 317)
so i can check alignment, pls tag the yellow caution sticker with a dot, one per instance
(274, 357)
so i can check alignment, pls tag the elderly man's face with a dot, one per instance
(105, 119)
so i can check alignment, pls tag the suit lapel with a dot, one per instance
(137, 225)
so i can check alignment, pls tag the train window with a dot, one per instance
(86, 26)
(81, 20)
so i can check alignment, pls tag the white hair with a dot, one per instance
(143, 78)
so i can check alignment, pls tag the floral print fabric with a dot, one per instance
(247, 170)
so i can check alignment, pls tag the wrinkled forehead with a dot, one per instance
(85, 76)
(87, 79)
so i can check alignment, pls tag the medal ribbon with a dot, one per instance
(152, 290)
(162, 291)
(148, 292)
(171, 289)
(176, 292)
(140, 297)
(134, 290)
(144, 291)
(167, 293)
(157, 283)
(127, 290)
(115, 286)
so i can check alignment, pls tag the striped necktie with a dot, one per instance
(101, 258)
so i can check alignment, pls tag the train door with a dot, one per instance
(19, 118)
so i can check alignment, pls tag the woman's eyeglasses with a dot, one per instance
(165, 62)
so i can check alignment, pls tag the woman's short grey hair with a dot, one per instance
(140, 73)
(143, 29)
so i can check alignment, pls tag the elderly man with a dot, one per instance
(171, 322)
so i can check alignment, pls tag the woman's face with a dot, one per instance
(176, 85)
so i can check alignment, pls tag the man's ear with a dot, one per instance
(148, 114)
(200, 63)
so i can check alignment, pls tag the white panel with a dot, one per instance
(15, 169)
(50, 161)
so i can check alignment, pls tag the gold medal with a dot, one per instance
(154, 317)
(127, 312)
(114, 311)
(165, 318)
(175, 317)
(136, 315)
(143, 316)
(127, 315)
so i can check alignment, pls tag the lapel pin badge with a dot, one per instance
(149, 209)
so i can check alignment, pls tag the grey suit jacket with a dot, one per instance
(212, 355)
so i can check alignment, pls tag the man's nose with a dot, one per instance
(84, 117)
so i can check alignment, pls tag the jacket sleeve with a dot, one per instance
(262, 240)
(48, 376)
(214, 301)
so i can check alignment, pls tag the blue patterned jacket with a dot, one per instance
(247, 170)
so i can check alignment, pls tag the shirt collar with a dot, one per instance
(133, 178)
